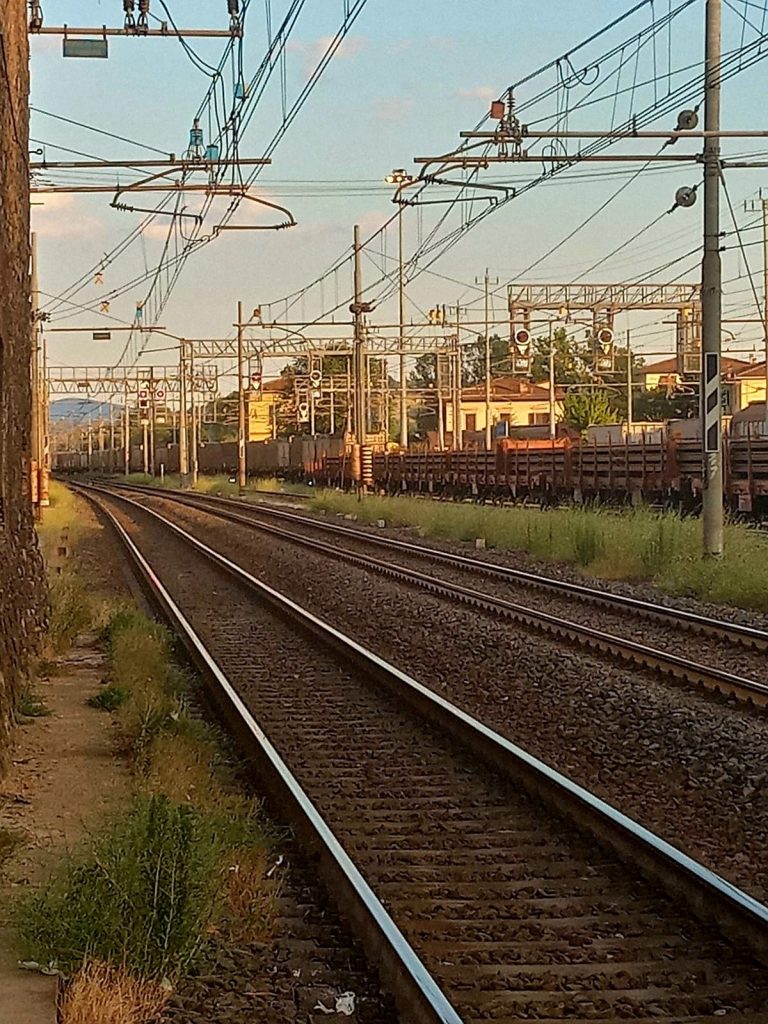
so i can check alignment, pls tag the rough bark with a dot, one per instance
(21, 577)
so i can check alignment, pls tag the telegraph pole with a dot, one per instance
(711, 293)
(241, 466)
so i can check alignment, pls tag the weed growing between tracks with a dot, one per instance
(187, 860)
(639, 545)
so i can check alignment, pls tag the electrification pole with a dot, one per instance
(486, 317)
(711, 293)
(552, 411)
(359, 417)
(401, 296)
(765, 305)
(486, 282)
(35, 432)
(241, 466)
(126, 433)
(183, 451)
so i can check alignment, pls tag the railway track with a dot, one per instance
(510, 892)
(727, 641)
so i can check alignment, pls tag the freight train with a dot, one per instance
(666, 471)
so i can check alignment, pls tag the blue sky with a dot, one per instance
(409, 78)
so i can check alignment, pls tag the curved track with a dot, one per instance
(510, 890)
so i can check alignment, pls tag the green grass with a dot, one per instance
(110, 698)
(29, 705)
(142, 894)
(636, 545)
(220, 484)
(188, 859)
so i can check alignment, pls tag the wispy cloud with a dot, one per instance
(478, 92)
(314, 49)
(60, 217)
(392, 108)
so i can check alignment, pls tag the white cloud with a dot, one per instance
(392, 108)
(478, 92)
(60, 216)
(348, 49)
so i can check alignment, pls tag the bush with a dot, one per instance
(110, 698)
(142, 896)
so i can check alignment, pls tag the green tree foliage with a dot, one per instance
(473, 363)
(658, 404)
(572, 359)
(584, 408)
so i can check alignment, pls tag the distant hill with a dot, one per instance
(78, 408)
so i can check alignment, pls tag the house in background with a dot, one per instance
(514, 400)
(262, 407)
(742, 381)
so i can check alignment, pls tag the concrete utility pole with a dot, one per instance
(401, 318)
(36, 429)
(359, 368)
(486, 282)
(193, 411)
(183, 451)
(488, 424)
(552, 410)
(126, 433)
(457, 439)
(241, 466)
(629, 382)
(762, 204)
(711, 293)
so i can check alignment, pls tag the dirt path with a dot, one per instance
(64, 777)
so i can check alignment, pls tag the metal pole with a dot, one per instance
(193, 417)
(488, 424)
(765, 304)
(711, 295)
(152, 420)
(241, 466)
(111, 437)
(629, 382)
(45, 428)
(403, 380)
(183, 451)
(34, 367)
(145, 444)
(359, 417)
(457, 439)
(440, 409)
(552, 410)
(126, 433)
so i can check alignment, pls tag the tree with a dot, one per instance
(658, 404)
(473, 368)
(582, 409)
(572, 359)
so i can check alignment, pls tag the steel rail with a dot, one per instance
(749, 636)
(416, 991)
(671, 665)
(711, 897)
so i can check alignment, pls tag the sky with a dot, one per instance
(408, 78)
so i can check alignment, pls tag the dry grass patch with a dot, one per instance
(102, 994)
(253, 893)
